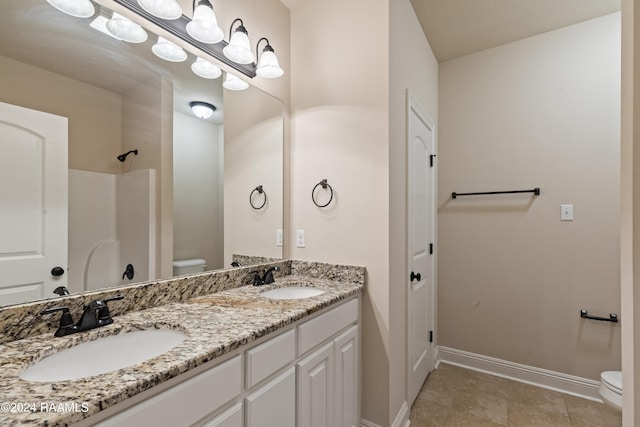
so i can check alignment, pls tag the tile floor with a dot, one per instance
(458, 397)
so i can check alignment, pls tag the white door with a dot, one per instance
(420, 280)
(33, 203)
(315, 388)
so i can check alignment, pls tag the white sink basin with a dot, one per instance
(103, 355)
(293, 292)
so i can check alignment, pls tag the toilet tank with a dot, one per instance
(188, 266)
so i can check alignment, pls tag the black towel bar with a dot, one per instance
(612, 317)
(535, 191)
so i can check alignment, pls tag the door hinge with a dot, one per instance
(430, 336)
(430, 248)
(431, 157)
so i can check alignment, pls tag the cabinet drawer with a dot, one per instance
(323, 327)
(267, 358)
(187, 402)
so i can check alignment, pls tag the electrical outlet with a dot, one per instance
(300, 238)
(279, 237)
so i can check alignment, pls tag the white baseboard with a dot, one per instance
(401, 420)
(556, 381)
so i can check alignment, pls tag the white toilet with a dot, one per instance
(188, 266)
(611, 388)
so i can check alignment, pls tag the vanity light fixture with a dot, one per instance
(239, 48)
(75, 8)
(205, 69)
(232, 82)
(168, 51)
(164, 9)
(268, 66)
(124, 29)
(204, 25)
(201, 109)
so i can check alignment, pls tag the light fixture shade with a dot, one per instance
(76, 8)
(126, 30)
(268, 66)
(205, 69)
(204, 25)
(168, 51)
(203, 110)
(165, 9)
(239, 50)
(234, 83)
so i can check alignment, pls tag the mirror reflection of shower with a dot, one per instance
(123, 157)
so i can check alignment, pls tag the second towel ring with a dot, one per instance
(324, 185)
(260, 191)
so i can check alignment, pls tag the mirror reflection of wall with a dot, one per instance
(198, 162)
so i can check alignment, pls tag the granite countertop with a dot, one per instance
(215, 324)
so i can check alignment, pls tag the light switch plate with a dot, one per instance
(566, 212)
(300, 238)
(279, 237)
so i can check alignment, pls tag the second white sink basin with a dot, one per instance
(103, 355)
(292, 292)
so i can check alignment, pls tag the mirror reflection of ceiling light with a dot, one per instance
(205, 69)
(100, 24)
(239, 49)
(203, 110)
(268, 66)
(164, 9)
(204, 25)
(76, 8)
(234, 83)
(168, 51)
(126, 30)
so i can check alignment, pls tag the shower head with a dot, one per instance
(123, 157)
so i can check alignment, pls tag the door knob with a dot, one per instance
(57, 271)
(415, 276)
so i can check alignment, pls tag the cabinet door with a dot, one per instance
(315, 388)
(232, 417)
(273, 404)
(346, 379)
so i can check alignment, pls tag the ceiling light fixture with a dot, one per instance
(268, 66)
(204, 25)
(239, 48)
(164, 9)
(232, 82)
(205, 69)
(125, 29)
(75, 8)
(201, 109)
(168, 51)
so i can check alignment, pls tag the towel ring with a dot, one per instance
(324, 185)
(260, 191)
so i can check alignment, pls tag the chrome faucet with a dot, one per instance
(95, 314)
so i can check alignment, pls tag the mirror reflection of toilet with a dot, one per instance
(611, 388)
(188, 266)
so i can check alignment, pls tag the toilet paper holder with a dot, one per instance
(612, 317)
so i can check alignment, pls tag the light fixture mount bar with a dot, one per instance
(178, 27)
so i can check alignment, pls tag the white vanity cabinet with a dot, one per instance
(328, 377)
(307, 375)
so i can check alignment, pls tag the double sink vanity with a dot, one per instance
(203, 350)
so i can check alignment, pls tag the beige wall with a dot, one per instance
(339, 89)
(512, 279)
(630, 209)
(197, 188)
(95, 115)
(408, 45)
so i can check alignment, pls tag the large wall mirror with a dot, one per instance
(142, 184)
